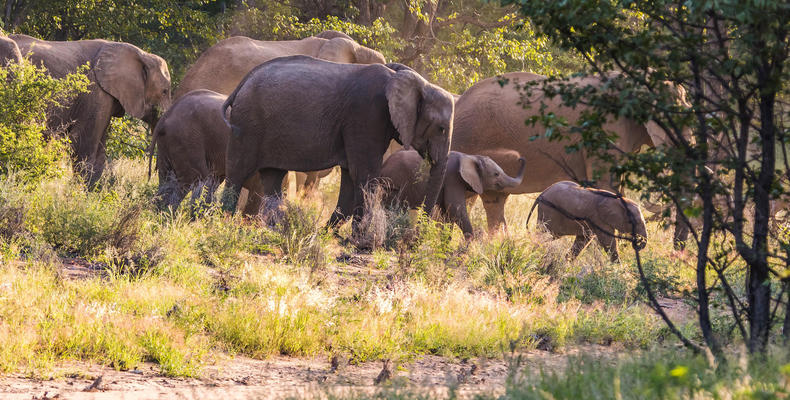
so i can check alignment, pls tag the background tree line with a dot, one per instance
(454, 43)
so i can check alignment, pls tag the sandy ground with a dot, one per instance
(284, 377)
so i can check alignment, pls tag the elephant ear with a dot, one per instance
(403, 92)
(470, 168)
(119, 71)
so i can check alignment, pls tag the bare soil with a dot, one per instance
(285, 377)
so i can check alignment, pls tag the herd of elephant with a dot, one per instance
(249, 111)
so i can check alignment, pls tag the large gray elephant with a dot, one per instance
(466, 174)
(125, 80)
(491, 116)
(303, 114)
(566, 208)
(9, 51)
(224, 65)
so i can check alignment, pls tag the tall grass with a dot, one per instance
(172, 287)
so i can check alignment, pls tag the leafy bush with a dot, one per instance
(128, 138)
(428, 251)
(27, 93)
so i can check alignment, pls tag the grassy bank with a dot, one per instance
(168, 288)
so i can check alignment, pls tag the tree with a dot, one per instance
(726, 61)
(453, 43)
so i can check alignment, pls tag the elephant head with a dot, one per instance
(422, 113)
(613, 213)
(340, 49)
(482, 174)
(140, 81)
(9, 51)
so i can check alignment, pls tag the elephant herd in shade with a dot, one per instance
(249, 111)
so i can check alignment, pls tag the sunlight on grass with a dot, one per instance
(171, 289)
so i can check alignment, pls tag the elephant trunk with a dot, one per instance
(515, 181)
(638, 230)
(438, 151)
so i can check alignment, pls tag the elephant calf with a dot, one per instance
(566, 208)
(465, 174)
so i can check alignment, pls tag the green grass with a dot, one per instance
(173, 289)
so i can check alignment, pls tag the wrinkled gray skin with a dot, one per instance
(221, 67)
(303, 114)
(125, 80)
(466, 174)
(9, 51)
(600, 211)
(191, 140)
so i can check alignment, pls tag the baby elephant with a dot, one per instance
(566, 208)
(466, 175)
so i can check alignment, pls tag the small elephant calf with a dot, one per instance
(465, 174)
(566, 208)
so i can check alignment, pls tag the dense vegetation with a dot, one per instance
(174, 287)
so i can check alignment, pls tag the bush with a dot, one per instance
(26, 95)
(300, 236)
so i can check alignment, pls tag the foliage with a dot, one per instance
(713, 76)
(26, 148)
(127, 138)
(656, 375)
(176, 30)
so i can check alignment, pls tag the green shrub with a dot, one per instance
(429, 252)
(27, 93)
(127, 137)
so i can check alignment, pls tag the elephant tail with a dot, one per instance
(228, 104)
(529, 216)
(152, 148)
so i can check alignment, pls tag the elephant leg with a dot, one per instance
(609, 243)
(253, 194)
(91, 116)
(454, 204)
(243, 167)
(203, 193)
(310, 182)
(494, 204)
(345, 200)
(272, 186)
(100, 159)
(681, 234)
(578, 245)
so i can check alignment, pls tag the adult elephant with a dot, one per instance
(9, 51)
(491, 116)
(224, 65)
(299, 113)
(125, 80)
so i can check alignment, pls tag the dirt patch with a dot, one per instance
(282, 377)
